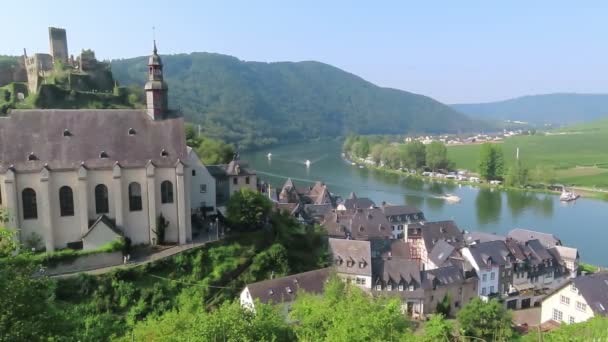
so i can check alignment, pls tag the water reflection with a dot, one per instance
(489, 204)
(414, 201)
(518, 202)
(436, 188)
(435, 204)
(412, 183)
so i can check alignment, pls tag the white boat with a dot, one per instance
(269, 155)
(353, 163)
(450, 198)
(307, 163)
(361, 166)
(568, 196)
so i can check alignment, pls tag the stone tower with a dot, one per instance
(156, 88)
(59, 44)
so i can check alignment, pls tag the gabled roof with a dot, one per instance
(368, 224)
(105, 221)
(566, 252)
(351, 256)
(548, 240)
(495, 252)
(285, 289)
(477, 237)
(441, 252)
(594, 288)
(433, 232)
(358, 202)
(69, 138)
(536, 251)
(442, 276)
(397, 270)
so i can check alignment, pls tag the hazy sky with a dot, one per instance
(454, 51)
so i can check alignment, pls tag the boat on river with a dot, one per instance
(568, 196)
(451, 198)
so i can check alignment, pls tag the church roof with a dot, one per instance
(68, 138)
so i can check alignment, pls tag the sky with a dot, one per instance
(454, 51)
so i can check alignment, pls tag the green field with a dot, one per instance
(579, 154)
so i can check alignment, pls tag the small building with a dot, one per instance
(102, 231)
(202, 195)
(399, 216)
(492, 262)
(231, 178)
(546, 239)
(577, 300)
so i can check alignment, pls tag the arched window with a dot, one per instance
(135, 197)
(101, 199)
(30, 210)
(66, 201)
(166, 192)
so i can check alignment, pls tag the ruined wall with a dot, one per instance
(58, 42)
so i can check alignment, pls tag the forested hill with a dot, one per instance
(559, 108)
(254, 104)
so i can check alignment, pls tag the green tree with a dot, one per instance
(517, 175)
(415, 155)
(345, 313)
(8, 242)
(437, 329)
(486, 320)
(248, 210)
(437, 156)
(376, 153)
(444, 306)
(491, 161)
(361, 148)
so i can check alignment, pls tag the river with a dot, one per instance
(581, 224)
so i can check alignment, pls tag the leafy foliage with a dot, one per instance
(254, 104)
(437, 156)
(248, 210)
(211, 151)
(486, 320)
(491, 161)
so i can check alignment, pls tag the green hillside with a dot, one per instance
(254, 104)
(548, 108)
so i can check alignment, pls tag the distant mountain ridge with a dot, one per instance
(254, 104)
(558, 108)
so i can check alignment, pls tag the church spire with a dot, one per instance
(156, 88)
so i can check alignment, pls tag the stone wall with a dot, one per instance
(86, 263)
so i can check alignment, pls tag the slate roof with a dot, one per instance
(317, 210)
(536, 251)
(432, 232)
(594, 288)
(351, 256)
(477, 237)
(497, 251)
(397, 210)
(441, 252)
(285, 289)
(396, 249)
(523, 235)
(442, 276)
(396, 270)
(565, 252)
(89, 132)
(370, 224)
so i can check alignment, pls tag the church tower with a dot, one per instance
(156, 88)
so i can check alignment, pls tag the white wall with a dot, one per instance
(201, 177)
(568, 310)
(481, 271)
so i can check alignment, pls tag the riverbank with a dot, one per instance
(583, 192)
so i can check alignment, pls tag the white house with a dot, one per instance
(491, 261)
(352, 261)
(577, 300)
(60, 170)
(202, 195)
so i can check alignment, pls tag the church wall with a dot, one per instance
(169, 210)
(27, 227)
(136, 225)
(66, 228)
(94, 178)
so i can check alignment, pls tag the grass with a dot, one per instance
(578, 153)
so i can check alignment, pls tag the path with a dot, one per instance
(148, 258)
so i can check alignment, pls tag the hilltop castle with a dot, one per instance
(41, 66)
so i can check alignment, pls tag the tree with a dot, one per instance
(376, 153)
(248, 210)
(517, 175)
(444, 306)
(27, 310)
(415, 155)
(361, 148)
(437, 156)
(345, 313)
(491, 161)
(8, 242)
(438, 329)
(486, 320)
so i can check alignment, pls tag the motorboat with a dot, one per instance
(450, 198)
(568, 196)
(269, 155)
(307, 163)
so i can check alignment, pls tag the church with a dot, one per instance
(63, 172)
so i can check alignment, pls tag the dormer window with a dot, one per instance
(362, 264)
(379, 287)
(103, 155)
(67, 133)
(132, 131)
(32, 157)
(164, 153)
(389, 287)
(361, 228)
(400, 287)
(288, 289)
(270, 292)
(350, 263)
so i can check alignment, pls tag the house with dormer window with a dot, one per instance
(352, 261)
